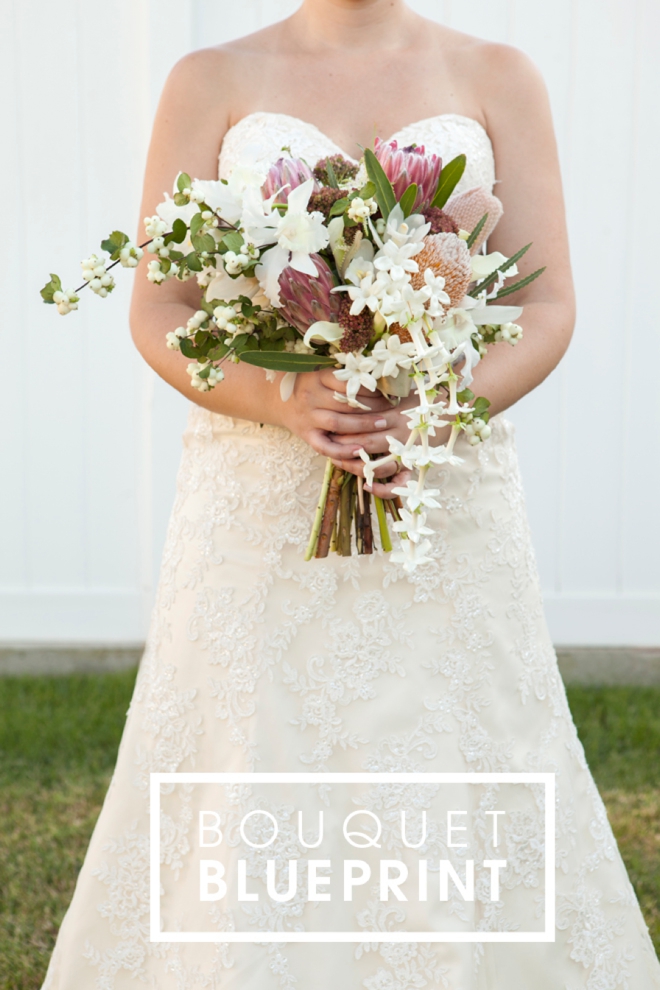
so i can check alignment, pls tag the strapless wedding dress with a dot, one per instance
(257, 660)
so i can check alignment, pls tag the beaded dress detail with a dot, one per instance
(256, 660)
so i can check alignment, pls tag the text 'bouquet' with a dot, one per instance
(371, 268)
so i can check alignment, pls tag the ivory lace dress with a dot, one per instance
(257, 660)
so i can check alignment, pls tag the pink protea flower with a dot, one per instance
(306, 299)
(406, 165)
(286, 174)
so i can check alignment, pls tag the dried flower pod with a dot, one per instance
(306, 299)
(467, 209)
(449, 256)
(357, 329)
(286, 174)
(441, 222)
(407, 165)
(342, 168)
(324, 200)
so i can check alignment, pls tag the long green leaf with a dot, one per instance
(384, 192)
(449, 179)
(472, 239)
(504, 267)
(285, 361)
(407, 201)
(521, 284)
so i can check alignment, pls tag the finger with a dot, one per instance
(385, 489)
(373, 443)
(356, 466)
(343, 423)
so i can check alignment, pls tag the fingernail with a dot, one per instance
(380, 423)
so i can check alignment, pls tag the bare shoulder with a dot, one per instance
(508, 84)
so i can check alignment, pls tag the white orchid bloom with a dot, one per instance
(392, 355)
(324, 331)
(357, 372)
(483, 315)
(300, 232)
(457, 327)
(471, 358)
(484, 265)
(226, 198)
(295, 234)
(416, 497)
(222, 286)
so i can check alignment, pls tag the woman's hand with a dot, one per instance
(338, 431)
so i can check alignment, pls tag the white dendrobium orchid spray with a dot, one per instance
(308, 266)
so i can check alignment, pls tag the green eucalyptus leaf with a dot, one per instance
(179, 231)
(232, 241)
(218, 352)
(507, 290)
(332, 177)
(193, 263)
(285, 361)
(472, 239)
(195, 223)
(384, 192)
(50, 288)
(183, 182)
(449, 179)
(203, 242)
(338, 208)
(407, 201)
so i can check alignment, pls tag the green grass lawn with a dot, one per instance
(59, 737)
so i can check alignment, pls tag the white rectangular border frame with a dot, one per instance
(156, 935)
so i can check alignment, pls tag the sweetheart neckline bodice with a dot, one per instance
(259, 138)
(318, 130)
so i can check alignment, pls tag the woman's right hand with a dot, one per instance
(314, 415)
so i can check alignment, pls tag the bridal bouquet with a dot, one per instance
(371, 268)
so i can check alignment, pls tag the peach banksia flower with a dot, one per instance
(406, 165)
(467, 209)
(449, 256)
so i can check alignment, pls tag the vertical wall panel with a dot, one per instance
(639, 455)
(88, 464)
(13, 413)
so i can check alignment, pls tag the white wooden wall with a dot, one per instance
(89, 439)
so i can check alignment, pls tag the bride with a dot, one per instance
(257, 660)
